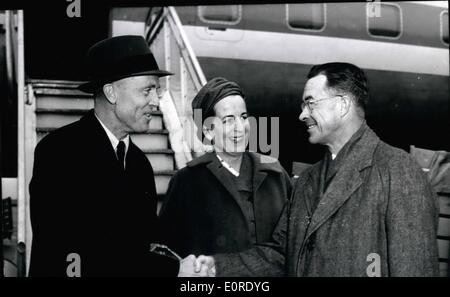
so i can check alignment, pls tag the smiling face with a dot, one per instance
(323, 122)
(231, 127)
(136, 97)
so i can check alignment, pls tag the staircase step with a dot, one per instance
(157, 139)
(158, 151)
(162, 183)
(52, 102)
(143, 141)
(77, 111)
(169, 173)
(157, 131)
(63, 92)
(151, 141)
(64, 111)
(55, 118)
(47, 83)
(160, 160)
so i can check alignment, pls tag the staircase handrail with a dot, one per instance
(171, 15)
(168, 23)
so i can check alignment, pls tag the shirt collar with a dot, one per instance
(227, 166)
(113, 138)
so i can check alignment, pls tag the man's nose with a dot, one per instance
(304, 114)
(154, 101)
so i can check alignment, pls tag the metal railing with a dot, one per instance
(11, 49)
(26, 139)
(168, 16)
(173, 52)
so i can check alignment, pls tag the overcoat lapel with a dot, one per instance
(260, 172)
(261, 166)
(343, 185)
(100, 143)
(216, 169)
(346, 181)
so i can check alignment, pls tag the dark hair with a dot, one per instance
(344, 77)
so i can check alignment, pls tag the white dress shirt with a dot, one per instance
(115, 141)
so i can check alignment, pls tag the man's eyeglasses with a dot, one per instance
(312, 103)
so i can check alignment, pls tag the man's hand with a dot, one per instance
(202, 266)
(205, 265)
(187, 268)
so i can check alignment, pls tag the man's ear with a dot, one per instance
(110, 94)
(346, 102)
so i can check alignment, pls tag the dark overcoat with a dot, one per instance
(378, 217)
(203, 213)
(82, 202)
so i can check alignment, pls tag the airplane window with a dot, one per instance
(444, 26)
(385, 20)
(306, 16)
(220, 14)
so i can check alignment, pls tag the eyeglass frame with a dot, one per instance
(308, 102)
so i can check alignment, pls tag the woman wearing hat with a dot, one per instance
(229, 199)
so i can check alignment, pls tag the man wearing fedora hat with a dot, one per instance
(93, 196)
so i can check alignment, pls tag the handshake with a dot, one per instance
(201, 266)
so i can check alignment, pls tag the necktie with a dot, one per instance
(121, 154)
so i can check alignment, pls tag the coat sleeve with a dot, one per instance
(155, 265)
(411, 221)
(52, 241)
(172, 219)
(267, 259)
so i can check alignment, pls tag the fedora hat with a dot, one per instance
(119, 57)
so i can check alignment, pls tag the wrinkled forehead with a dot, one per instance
(230, 105)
